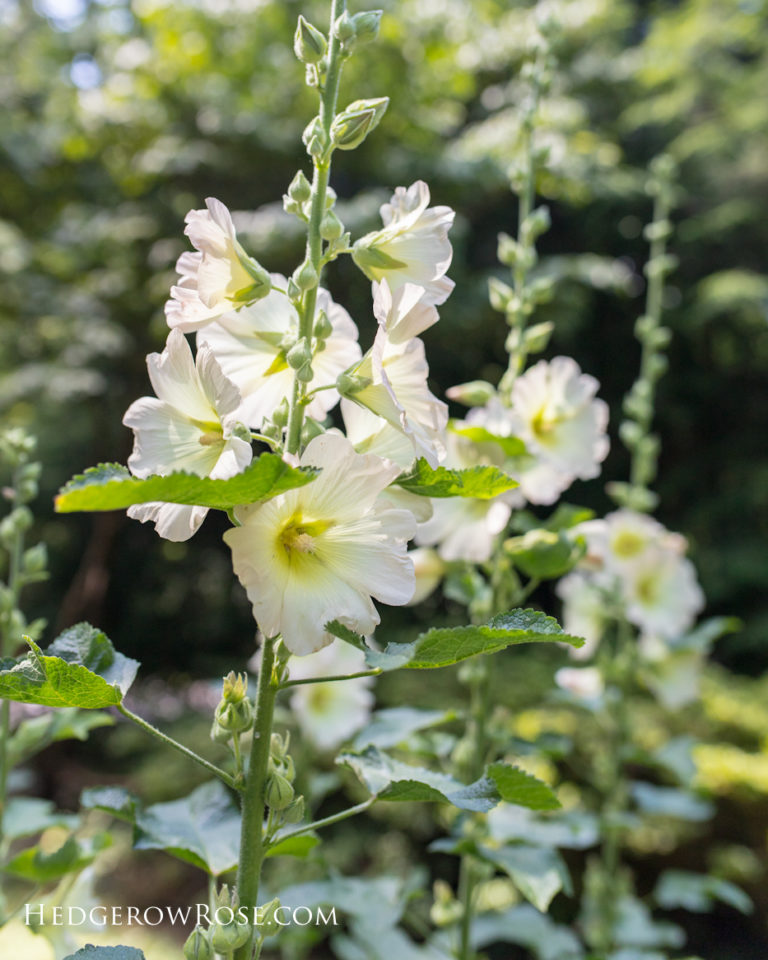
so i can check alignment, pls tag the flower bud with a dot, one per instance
(235, 717)
(299, 354)
(323, 327)
(475, 393)
(279, 792)
(348, 384)
(536, 223)
(499, 294)
(344, 28)
(331, 228)
(300, 189)
(229, 936)
(35, 559)
(219, 734)
(234, 687)
(294, 812)
(366, 26)
(537, 337)
(309, 431)
(305, 373)
(198, 946)
(305, 276)
(281, 413)
(268, 925)
(309, 44)
(353, 124)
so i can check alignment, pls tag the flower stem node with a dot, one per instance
(198, 946)
(353, 124)
(309, 44)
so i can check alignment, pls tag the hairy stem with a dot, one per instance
(253, 846)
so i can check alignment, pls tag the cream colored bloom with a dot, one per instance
(328, 714)
(586, 683)
(661, 593)
(251, 345)
(404, 314)
(369, 433)
(555, 413)
(621, 540)
(191, 425)
(398, 392)
(412, 247)
(584, 612)
(218, 278)
(322, 551)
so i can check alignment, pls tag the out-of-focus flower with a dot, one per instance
(218, 278)
(622, 538)
(554, 411)
(329, 713)
(191, 425)
(661, 593)
(395, 377)
(584, 612)
(251, 346)
(429, 570)
(586, 683)
(412, 247)
(322, 551)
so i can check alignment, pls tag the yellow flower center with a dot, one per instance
(543, 423)
(627, 543)
(211, 432)
(647, 588)
(298, 535)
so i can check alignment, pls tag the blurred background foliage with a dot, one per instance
(119, 117)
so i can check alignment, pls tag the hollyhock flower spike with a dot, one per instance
(218, 278)
(322, 551)
(191, 425)
(413, 245)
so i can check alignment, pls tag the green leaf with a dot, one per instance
(89, 952)
(80, 668)
(544, 554)
(25, 816)
(390, 779)
(635, 927)
(698, 892)
(111, 486)
(444, 646)
(40, 867)
(572, 830)
(395, 724)
(118, 801)
(300, 846)
(202, 829)
(539, 873)
(511, 446)
(526, 926)
(517, 786)
(33, 735)
(480, 483)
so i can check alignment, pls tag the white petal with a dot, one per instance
(172, 521)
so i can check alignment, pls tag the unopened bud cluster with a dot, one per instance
(280, 795)
(234, 713)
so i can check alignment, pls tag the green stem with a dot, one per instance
(314, 251)
(347, 676)
(253, 847)
(6, 650)
(328, 821)
(170, 742)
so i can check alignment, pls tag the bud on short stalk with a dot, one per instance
(299, 355)
(279, 792)
(305, 276)
(309, 44)
(300, 189)
(198, 946)
(229, 936)
(353, 124)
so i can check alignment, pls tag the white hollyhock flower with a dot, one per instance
(404, 314)
(623, 537)
(462, 528)
(251, 344)
(661, 593)
(191, 425)
(369, 433)
(412, 247)
(397, 391)
(429, 570)
(584, 612)
(219, 277)
(554, 412)
(322, 551)
(586, 683)
(329, 713)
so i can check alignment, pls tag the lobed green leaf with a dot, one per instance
(89, 952)
(110, 486)
(479, 483)
(80, 668)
